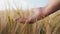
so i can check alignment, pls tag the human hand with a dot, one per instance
(37, 13)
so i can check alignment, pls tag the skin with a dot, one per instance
(50, 8)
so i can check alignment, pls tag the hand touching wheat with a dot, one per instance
(50, 8)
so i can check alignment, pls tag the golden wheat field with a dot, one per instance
(48, 25)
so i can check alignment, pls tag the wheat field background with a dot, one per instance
(48, 25)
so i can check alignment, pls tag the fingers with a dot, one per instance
(20, 20)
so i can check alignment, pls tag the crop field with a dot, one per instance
(8, 24)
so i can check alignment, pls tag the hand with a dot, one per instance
(31, 19)
(50, 8)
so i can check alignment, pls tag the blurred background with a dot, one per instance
(12, 9)
(22, 4)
